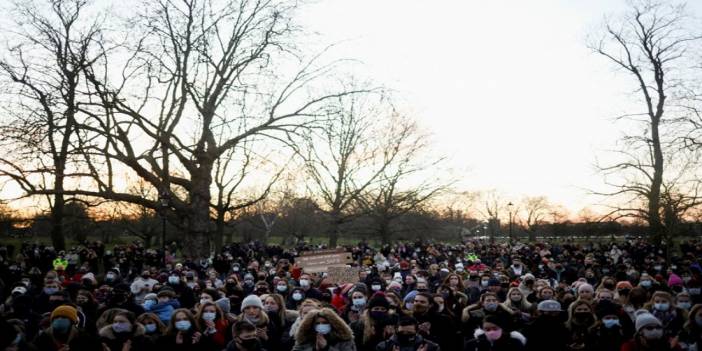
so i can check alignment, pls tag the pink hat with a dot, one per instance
(674, 280)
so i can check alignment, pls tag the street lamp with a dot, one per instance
(509, 206)
(165, 202)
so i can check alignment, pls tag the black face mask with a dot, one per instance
(406, 339)
(249, 344)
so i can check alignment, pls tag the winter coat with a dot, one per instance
(115, 342)
(164, 310)
(77, 340)
(513, 341)
(389, 345)
(339, 339)
(546, 334)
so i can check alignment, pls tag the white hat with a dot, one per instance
(251, 300)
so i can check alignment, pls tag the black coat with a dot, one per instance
(513, 341)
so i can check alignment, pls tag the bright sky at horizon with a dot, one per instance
(509, 89)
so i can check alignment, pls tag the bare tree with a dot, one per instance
(535, 209)
(193, 81)
(349, 155)
(403, 186)
(647, 43)
(51, 46)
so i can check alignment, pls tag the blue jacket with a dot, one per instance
(164, 310)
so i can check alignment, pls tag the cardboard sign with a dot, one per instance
(321, 252)
(320, 261)
(342, 275)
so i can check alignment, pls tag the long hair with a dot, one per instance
(280, 315)
(306, 333)
(571, 312)
(523, 305)
(171, 325)
(160, 327)
(198, 315)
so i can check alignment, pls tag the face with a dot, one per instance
(489, 299)
(206, 297)
(582, 308)
(181, 316)
(660, 299)
(547, 294)
(120, 319)
(453, 281)
(407, 329)
(409, 280)
(209, 309)
(605, 295)
(515, 295)
(421, 301)
(252, 311)
(271, 304)
(490, 327)
(357, 295)
(321, 320)
(585, 294)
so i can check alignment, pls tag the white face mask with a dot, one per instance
(304, 283)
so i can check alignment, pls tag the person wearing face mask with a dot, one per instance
(547, 331)
(375, 324)
(518, 304)
(671, 317)
(473, 315)
(683, 301)
(608, 333)
(580, 319)
(649, 334)
(142, 286)
(63, 334)
(432, 325)
(185, 295)
(153, 327)
(89, 307)
(305, 283)
(163, 305)
(244, 338)
(322, 330)
(691, 335)
(282, 320)
(212, 325)
(252, 311)
(494, 335)
(182, 333)
(297, 295)
(124, 332)
(405, 338)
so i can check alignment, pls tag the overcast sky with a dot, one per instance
(509, 89)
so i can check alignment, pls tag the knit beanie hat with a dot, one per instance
(251, 300)
(65, 311)
(645, 318)
(378, 300)
(674, 280)
(606, 308)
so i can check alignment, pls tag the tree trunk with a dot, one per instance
(197, 239)
(334, 232)
(655, 226)
(57, 238)
(532, 236)
(384, 231)
(219, 231)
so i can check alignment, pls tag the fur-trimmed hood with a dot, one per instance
(306, 333)
(514, 335)
(108, 333)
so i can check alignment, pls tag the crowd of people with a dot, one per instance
(422, 295)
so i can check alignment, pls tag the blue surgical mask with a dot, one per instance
(610, 323)
(491, 306)
(121, 327)
(61, 325)
(150, 327)
(323, 328)
(662, 306)
(50, 291)
(646, 283)
(359, 302)
(684, 305)
(148, 304)
(209, 316)
(182, 325)
(282, 288)
(297, 296)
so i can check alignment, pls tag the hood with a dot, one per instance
(514, 335)
(107, 332)
(306, 333)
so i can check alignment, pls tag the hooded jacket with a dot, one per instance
(513, 341)
(339, 339)
(115, 342)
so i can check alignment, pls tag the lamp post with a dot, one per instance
(509, 206)
(165, 201)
